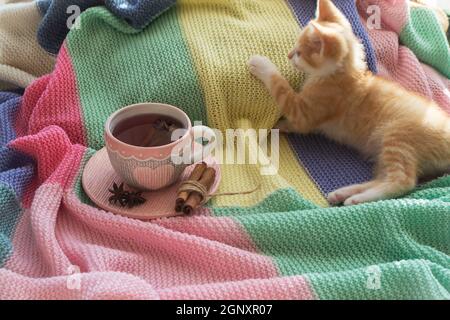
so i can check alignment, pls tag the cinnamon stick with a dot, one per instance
(196, 174)
(195, 198)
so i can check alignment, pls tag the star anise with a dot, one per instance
(160, 125)
(119, 195)
(164, 125)
(125, 197)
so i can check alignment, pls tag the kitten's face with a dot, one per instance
(326, 44)
(317, 52)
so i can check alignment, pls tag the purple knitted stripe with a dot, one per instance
(329, 164)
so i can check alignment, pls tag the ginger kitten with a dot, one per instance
(406, 134)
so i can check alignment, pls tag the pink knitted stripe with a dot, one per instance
(117, 285)
(440, 87)
(222, 229)
(94, 285)
(53, 100)
(29, 100)
(37, 252)
(285, 288)
(58, 161)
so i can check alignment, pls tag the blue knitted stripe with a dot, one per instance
(16, 172)
(16, 169)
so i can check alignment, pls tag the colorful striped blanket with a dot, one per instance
(281, 242)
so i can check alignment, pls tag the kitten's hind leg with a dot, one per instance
(381, 191)
(397, 175)
(342, 194)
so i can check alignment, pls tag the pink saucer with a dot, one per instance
(99, 176)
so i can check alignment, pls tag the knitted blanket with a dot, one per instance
(32, 32)
(22, 60)
(277, 243)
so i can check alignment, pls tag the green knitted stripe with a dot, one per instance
(425, 37)
(322, 243)
(10, 213)
(77, 186)
(410, 279)
(109, 68)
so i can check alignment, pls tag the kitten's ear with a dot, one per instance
(329, 13)
(318, 28)
(324, 38)
(317, 42)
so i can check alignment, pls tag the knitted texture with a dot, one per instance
(16, 171)
(53, 29)
(21, 57)
(424, 36)
(398, 62)
(55, 14)
(331, 165)
(277, 243)
(139, 13)
(438, 8)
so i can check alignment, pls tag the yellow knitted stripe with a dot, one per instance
(246, 177)
(213, 29)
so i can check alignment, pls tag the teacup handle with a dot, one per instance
(202, 132)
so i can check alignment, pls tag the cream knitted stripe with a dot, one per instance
(22, 60)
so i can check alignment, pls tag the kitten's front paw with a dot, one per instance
(262, 68)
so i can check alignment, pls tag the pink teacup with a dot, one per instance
(152, 168)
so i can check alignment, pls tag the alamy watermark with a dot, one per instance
(374, 18)
(73, 281)
(73, 21)
(373, 281)
(232, 146)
